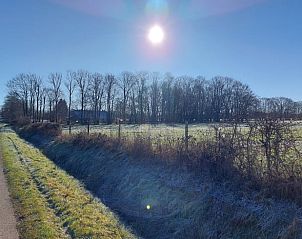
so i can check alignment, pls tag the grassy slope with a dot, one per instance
(49, 203)
(181, 205)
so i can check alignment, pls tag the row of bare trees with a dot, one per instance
(28, 91)
(140, 98)
(280, 107)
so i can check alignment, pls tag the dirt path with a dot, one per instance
(7, 219)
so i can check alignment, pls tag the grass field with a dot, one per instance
(161, 133)
(153, 130)
(48, 202)
(157, 132)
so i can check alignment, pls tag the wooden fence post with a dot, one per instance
(187, 136)
(119, 131)
(88, 127)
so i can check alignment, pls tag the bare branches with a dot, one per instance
(110, 82)
(151, 97)
(70, 85)
(95, 94)
(55, 80)
(82, 78)
(126, 83)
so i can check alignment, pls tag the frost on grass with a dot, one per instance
(181, 204)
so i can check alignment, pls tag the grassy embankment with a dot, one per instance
(270, 159)
(48, 202)
(182, 206)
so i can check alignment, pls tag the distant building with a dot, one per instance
(89, 116)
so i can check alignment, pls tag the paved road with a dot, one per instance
(7, 219)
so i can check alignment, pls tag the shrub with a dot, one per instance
(44, 129)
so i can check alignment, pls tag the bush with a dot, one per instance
(215, 158)
(44, 129)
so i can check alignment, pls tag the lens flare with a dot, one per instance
(157, 7)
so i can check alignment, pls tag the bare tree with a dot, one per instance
(35, 82)
(199, 99)
(125, 83)
(110, 81)
(142, 88)
(82, 77)
(50, 98)
(96, 90)
(55, 80)
(70, 85)
(155, 97)
(133, 104)
(38, 91)
(43, 103)
(20, 87)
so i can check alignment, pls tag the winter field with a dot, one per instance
(163, 133)
(155, 132)
(154, 200)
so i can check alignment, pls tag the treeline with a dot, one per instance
(139, 98)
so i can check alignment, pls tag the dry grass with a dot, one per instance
(221, 155)
(218, 151)
(44, 129)
(183, 205)
(156, 132)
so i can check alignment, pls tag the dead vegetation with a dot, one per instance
(229, 161)
(43, 129)
(183, 205)
(265, 153)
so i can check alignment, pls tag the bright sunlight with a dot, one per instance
(156, 35)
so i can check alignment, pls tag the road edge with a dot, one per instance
(8, 222)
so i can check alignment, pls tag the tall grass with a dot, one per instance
(221, 152)
(183, 205)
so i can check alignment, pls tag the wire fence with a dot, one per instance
(154, 132)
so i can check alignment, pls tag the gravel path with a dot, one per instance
(7, 219)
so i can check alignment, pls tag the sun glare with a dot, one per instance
(156, 35)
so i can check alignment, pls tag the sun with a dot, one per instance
(156, 35)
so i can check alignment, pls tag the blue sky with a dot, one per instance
(255, 41)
